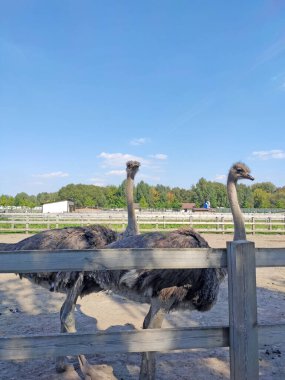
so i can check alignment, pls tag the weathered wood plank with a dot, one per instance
(36, 346)
(24, 347)
(69, 260)
(243, 332)
(271, 334)
(270, 257)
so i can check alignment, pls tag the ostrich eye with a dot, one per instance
(239, 170)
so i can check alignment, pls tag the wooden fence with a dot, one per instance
(203, 222)
(242, 336)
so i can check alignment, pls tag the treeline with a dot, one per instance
(259, 195)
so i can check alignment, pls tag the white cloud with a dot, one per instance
(117, 172)
(114, 164)
(118, 159)
(139, 141)
(58, 174)
(220, 177)
(269, 154)
(159, 156)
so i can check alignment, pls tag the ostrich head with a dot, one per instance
(132, 168)
(239, 171)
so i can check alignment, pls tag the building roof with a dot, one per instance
(71, 203)
(188, 206)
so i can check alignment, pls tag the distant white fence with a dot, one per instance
(202, 222)
(243, 335)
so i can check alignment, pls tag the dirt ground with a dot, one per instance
(29, 309)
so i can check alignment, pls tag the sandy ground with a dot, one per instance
(29, 309)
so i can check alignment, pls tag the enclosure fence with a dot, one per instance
(202, 222)
(243, 335)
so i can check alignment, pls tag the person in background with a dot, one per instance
(207, 204)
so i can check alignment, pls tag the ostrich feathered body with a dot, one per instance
(91, 237)
(188, 288)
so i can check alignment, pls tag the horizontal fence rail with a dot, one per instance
(135, 258)
(203, 222)
(168, 339)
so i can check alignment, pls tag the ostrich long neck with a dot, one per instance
(132, 228)
(239, 227)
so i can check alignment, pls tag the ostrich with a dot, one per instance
(132, 227)
(167, 290)
(237, 171)
(75, 284)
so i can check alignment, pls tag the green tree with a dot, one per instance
(170, 199)
(143, 202)
(221, 196)
(71, 192)
(46, 198)
(25, 200)
(182, 195)
(142, 190)
(277, 199)
(99, 197)
(154, 198)
(163, 196)
(264, 194)
(245, 196)
(261, 198)
(268, 187)
(115, 198)
(6, 200)
(202, 191)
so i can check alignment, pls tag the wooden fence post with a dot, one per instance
(242, 310)
(252, 225)
(270, 223)
(222, 225)
(27, 225)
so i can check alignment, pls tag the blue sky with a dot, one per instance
(186, 87)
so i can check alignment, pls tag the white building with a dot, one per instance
(58, 207)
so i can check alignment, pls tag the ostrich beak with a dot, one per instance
(248, 176)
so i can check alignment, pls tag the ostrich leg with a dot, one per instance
(67, 320)
(153, 320)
